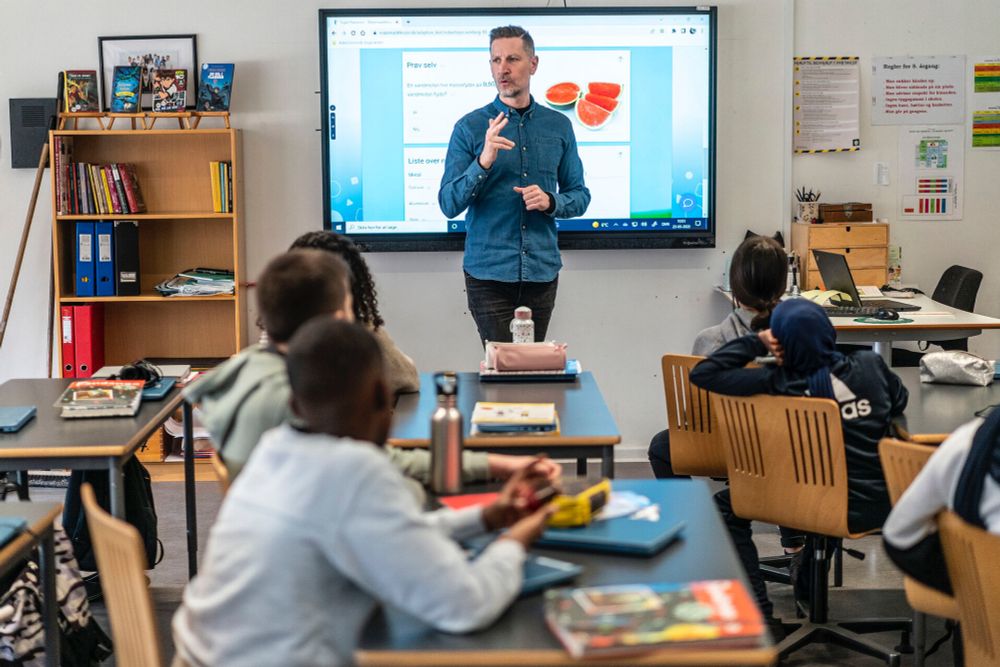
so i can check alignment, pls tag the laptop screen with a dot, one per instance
(837, 275)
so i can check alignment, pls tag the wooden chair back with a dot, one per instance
(121, 559)
(221, 471)
(971, 555)
(695, 447)
(786, 461)
(902, 461)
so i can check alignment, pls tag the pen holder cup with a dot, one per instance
(809, 212)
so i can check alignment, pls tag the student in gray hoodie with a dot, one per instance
(249, 394)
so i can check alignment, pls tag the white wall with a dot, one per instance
(619, 310)
(918, 28)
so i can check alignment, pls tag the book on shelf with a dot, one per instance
(216, 87)
(492, 417)
(80, 90)
(222, 186)
(126, 89)
(100, 398)
(169, 90)
(631, 619)
(94, 189)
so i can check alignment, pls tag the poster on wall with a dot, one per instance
(826, 107)
(931, 172)
(918, 90)
(984, 102)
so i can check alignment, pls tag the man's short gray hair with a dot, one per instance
(505, 31)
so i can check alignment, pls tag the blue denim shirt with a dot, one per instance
(504, 241)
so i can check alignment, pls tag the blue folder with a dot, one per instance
(624, 535)
(11, 527)
(104, 235)
(539, 573)
(85, 259)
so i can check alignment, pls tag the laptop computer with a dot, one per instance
(837, 276)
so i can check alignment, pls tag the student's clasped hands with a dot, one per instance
(514, 508)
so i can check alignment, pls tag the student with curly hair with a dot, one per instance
(401, 372)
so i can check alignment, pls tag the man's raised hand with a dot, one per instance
(494, 143)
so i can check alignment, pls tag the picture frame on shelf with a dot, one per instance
(151, 52)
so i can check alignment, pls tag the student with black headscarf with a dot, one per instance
(870, 397)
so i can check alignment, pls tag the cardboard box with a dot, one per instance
(152, 450)
(848, 212)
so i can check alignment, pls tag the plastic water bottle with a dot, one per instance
(522, 327)
(446, 436)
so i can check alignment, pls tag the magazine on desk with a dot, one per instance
(618, 620)
(101, 398)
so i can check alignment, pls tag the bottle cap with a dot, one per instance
(522, 313)
(446, 383)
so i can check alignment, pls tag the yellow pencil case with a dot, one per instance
(579, 502)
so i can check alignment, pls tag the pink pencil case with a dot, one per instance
(526, 356)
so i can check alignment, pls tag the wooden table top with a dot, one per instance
(48, 435)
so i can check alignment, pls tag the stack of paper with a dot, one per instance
(199, 282)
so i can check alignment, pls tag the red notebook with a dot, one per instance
(468, 500)
(88, 331)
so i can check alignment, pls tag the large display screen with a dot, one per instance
(637, 84)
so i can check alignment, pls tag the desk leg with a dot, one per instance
(884, 349)
(116, 483)
(581, 467)
(50, 601)
(189, 495)
(608, 462)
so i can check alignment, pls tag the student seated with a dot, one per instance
(248, 394)
(320, 528)
(758, 275)
(870, 397)
(401, 373)
(962, 475)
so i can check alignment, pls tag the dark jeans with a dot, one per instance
(492, 305)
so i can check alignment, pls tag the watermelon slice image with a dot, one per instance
(590, 115)
(562, 95)
(608, 103)
(612, 90)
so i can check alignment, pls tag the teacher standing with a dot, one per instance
(514, 165)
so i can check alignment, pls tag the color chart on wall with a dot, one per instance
(931, 172)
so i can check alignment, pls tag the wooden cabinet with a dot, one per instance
(178, 231)
(865, 245)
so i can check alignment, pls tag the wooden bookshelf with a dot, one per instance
(178, 231)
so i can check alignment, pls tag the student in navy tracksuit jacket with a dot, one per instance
(870, 396)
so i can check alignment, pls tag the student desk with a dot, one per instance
(39, 535)
(586, 426)
(49, 441)
(521, 637)
(941, 408)
(934, 321)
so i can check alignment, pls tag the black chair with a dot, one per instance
(957, 288)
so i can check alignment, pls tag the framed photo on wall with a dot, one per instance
(150, 52)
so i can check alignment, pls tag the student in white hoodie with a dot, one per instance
(319, 528)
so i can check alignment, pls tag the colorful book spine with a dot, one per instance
(108, 181)
(213, 171)
(124, 171)
(120, 189)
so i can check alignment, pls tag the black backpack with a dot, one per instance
(139, 511)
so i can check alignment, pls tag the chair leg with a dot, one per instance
(22, 485)
(838, 565)
(775, 569)
(920, 637)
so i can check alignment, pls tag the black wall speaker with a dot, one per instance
(30, 119)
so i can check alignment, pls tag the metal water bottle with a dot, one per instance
(446, 436)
